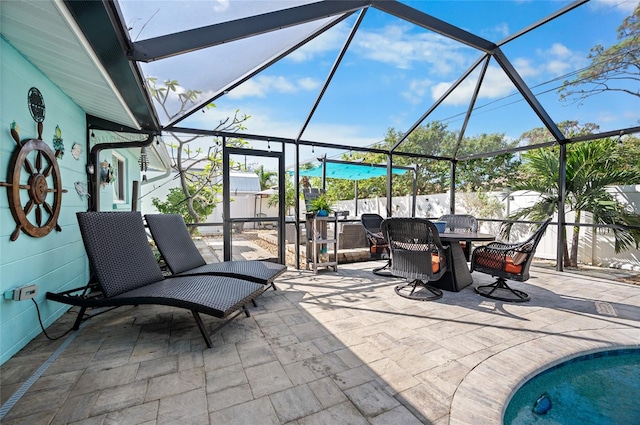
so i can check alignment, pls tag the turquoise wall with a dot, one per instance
(107, 201)
(57, 261)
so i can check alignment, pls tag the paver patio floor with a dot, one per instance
(331, 348)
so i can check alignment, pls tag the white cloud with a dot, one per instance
(552, 62)
(526, 68)
(558, 60)
(402, 47)
(495, 85)
(262, 85)
(417, 90)
(279, 84)
(624, 6)
(220, 5)
(502, 29)
(331, 40)
(349, 134)
(265, 120)
(251, 88)
(308, 83)
(607, 117)
(497, 32)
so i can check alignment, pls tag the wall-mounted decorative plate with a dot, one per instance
(36, 104)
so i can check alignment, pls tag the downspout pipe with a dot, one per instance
(389, 185)
(296, 179)
(95, 162)
(452, 188)
(415, 190)
(562, 197)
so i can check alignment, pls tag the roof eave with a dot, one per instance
(101, 25)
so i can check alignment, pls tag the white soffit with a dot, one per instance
(45, 33)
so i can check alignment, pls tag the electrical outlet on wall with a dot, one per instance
(25, 292)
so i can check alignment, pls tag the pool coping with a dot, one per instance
(484, 393)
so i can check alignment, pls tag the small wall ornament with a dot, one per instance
(106, 173)
(81, 190)
(76, 151)
(39, 215)
(35, 101)
(58, 144)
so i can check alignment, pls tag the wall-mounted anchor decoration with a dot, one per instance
(35, 159)
(58, 144)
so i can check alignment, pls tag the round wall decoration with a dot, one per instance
(34, 179)
(36, 104)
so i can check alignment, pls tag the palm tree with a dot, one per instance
(591, 167)
(289, 196)
(266, 177)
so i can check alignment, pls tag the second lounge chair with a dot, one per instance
(174, 242)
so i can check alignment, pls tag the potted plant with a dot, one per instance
(321, 206)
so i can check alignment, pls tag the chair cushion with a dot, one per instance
(512, 267)
(521, 257)
(490, 261)
(435, 262)
(379, 249)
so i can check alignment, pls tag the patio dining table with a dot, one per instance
(458, 276)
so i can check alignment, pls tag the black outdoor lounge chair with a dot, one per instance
(127, 273)
(378, 246)
(174, 242)
(506, 261)
(417, 255)
(461, 223)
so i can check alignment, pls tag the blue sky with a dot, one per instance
(393, 71)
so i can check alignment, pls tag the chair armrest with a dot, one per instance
(502, 246)
(376, 238)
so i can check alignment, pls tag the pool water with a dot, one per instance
(596, 389)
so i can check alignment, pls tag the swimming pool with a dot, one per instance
(596, 389)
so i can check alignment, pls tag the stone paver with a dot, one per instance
(295, 403)
(338, 348)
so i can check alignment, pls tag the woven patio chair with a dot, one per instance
(417, 255)
(506, 261)
(378, 246)
(461, 223)
(126, 272)
(183, 258)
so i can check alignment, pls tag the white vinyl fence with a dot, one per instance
(596, 246)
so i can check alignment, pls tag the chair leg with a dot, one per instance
(79, 319)
(501, 286)
(379, 271)
(418, 290)
(203, 330)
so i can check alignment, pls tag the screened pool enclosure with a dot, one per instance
(292, 81)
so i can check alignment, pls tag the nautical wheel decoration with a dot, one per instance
(34, 188)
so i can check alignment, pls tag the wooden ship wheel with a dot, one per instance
(33, 176)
